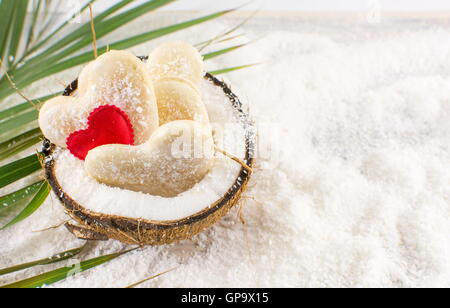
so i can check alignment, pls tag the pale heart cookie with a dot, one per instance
(177, 59)
(176, 157)
(116, 78)
(179, 100)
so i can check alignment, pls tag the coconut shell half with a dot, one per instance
(98, 226)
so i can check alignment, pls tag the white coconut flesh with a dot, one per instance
(229, 136)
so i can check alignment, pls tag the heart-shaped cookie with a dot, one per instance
(177, 59)
(106, 125)
(176, 157)
(116, 78)
(177, 100)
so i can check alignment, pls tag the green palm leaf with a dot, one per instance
(33, 206)
(221, 52)
(18, 121)
(63, 273)
(20, 143)
(19, 169)
(17, 28)
(63, 41)
(62, 256)
(11, 200)
(7, 9)
(232, 69)
(27, 106)
(31, 31)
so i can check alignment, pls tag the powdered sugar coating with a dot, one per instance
(117, 78)
(176, 59)
(178, 99)
(177, 156)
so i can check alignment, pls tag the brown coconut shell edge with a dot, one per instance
(148, 232)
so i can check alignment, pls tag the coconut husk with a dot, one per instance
(147, 232)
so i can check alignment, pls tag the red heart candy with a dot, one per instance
(106, 125)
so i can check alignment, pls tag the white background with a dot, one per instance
(309, 5)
